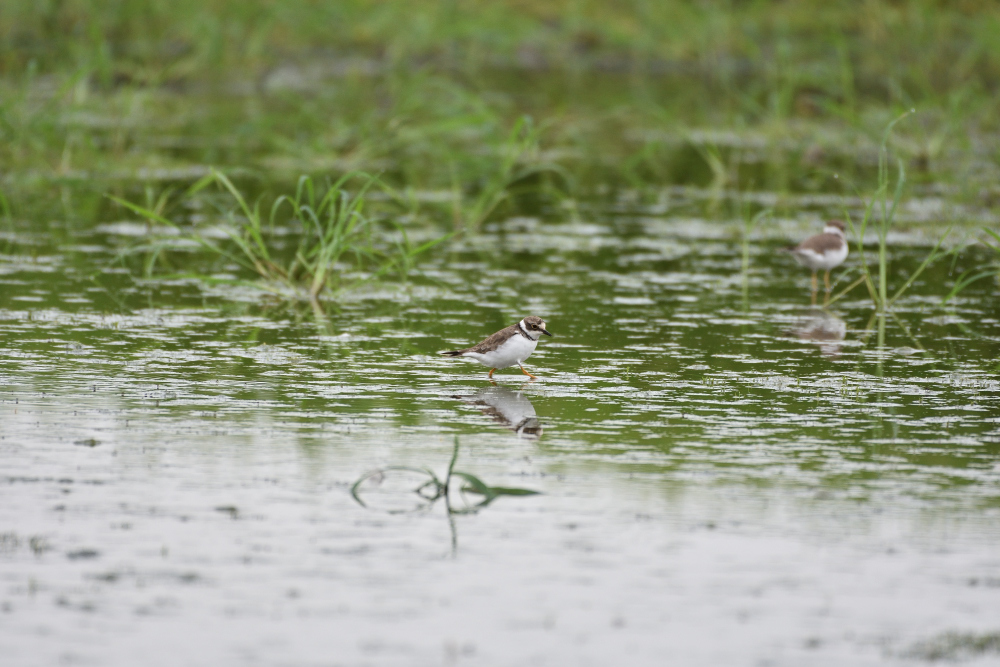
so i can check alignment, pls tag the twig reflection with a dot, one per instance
(429, 489)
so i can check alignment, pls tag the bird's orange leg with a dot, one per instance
(526, 372)
(826, 282)
(490, 376)
(815, 287)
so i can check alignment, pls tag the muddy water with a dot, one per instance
(727, 475)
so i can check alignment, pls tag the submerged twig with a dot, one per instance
(441, 489)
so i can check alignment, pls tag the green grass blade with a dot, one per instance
(931, 257)
(897, 194)
(859, 236)
(276, 206)
(234, 191)
(451, 463)
(201, 184)
(512, 491)
(476, 485)
(143, 211)
(427, 245)
(964, 281)
(200, 240)
(843, 292)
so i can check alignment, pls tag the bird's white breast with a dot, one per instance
(514, 350)
(825, 261)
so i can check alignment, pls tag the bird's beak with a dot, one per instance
(546, 332)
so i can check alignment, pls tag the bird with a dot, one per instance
(509, 346)
(825, 251)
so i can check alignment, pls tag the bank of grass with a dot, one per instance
(916, 42)
(474, 106)
(428, 131)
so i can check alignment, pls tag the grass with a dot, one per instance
(105, 87)
(160, 40)
(516, 164)
(330, 224)
(886, 204)
(992, 241)
(750, 223)
(474, 111)
(956, 646)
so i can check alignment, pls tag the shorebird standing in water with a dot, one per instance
(508, 346)
(823, 251)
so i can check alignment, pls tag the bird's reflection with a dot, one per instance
(823, 327)
(508, 407)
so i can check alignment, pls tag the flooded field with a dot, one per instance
(726, 475)
(235, 237)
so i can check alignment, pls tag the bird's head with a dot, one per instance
(534, 327)
(835, 227)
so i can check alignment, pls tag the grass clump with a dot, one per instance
(886, 205)
(331, 225)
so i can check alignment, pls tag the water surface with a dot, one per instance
(727, 475)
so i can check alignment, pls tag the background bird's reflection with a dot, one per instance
(822, 327)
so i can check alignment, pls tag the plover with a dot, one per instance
(823, 251)
(508, 346)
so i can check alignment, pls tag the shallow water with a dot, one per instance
(727, 475)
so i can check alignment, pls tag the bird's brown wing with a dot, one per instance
(494, 341)
(488, 345)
